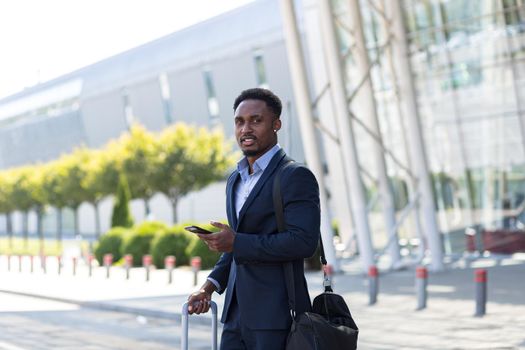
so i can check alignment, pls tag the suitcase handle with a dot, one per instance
(185, 314)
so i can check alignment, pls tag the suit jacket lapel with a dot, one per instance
(230, 199)
(276, 159)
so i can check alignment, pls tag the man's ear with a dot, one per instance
(277, 124)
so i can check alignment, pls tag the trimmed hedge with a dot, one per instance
(155, 238)
(198, 248)
(173, 242)
(138, 243)
(111, 243)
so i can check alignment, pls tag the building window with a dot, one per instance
(166, 97)
(213, 103)
(128, 110)
(260, 71)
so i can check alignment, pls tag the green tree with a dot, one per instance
(6, 204)
(137, 152)
(101, 179)
(189, 159)
(72, 183)
(54, 177)
(121, 216)
(21, 195)
(35, 181)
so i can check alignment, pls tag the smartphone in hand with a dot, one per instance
(197, 229)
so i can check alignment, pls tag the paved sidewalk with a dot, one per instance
(393, 323)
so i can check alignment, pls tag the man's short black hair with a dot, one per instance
(272, 101)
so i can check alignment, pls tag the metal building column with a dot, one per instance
(348, 147)
(417, 146)
(415, 221)
(339, 192)
(365, 97)
(304, 111)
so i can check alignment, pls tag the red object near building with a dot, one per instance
(504, 241)
(128, 260)
(108, 259)
(196, 262)
(169, 262)
(147, 260)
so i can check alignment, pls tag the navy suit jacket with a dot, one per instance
(260, 250)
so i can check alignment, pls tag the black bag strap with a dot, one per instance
(281, 226)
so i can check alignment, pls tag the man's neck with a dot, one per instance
(251, 162)
(252, 159)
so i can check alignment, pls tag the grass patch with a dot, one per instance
(50, 247)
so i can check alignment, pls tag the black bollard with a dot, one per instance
(481, 292)
(146, 262)
(196, 267)
(169, 264)
(108, 261)
(128, 263)
(421, 287)
(373, 279)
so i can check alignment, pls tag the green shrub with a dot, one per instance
(198, 248)
(111, 243)
(174, 242)
(151, 226)
(138, 243)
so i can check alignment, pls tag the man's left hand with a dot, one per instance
(221, 241)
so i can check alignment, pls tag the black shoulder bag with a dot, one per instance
(330, 325)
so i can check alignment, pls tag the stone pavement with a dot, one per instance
(392, 323)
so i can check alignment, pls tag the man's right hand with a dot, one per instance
(199, 302)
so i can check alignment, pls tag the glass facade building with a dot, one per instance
(468, 67)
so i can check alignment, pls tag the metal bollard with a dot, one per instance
(128, 263)
(481, 291)
(421, 287)
(90, 265)
(8, 262)
(108, 261)
(20, 263)
(146, 262)
(74, 260)
(169, 264)
(31, 263)
(59, 260)
(196, 263)
(373, 284)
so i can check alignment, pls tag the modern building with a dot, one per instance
(434, 89)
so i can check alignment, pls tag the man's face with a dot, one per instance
(254, 128)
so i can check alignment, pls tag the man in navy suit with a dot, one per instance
(256, 313)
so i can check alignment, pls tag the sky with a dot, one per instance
(41, 40)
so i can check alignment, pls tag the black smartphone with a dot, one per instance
(197, 229)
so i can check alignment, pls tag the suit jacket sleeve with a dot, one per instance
(221, 271)
(300, 193)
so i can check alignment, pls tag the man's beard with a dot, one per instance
(250, 153)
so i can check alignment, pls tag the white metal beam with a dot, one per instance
(306, 121)
(348, 147)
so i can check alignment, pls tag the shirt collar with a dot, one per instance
(260, 164)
